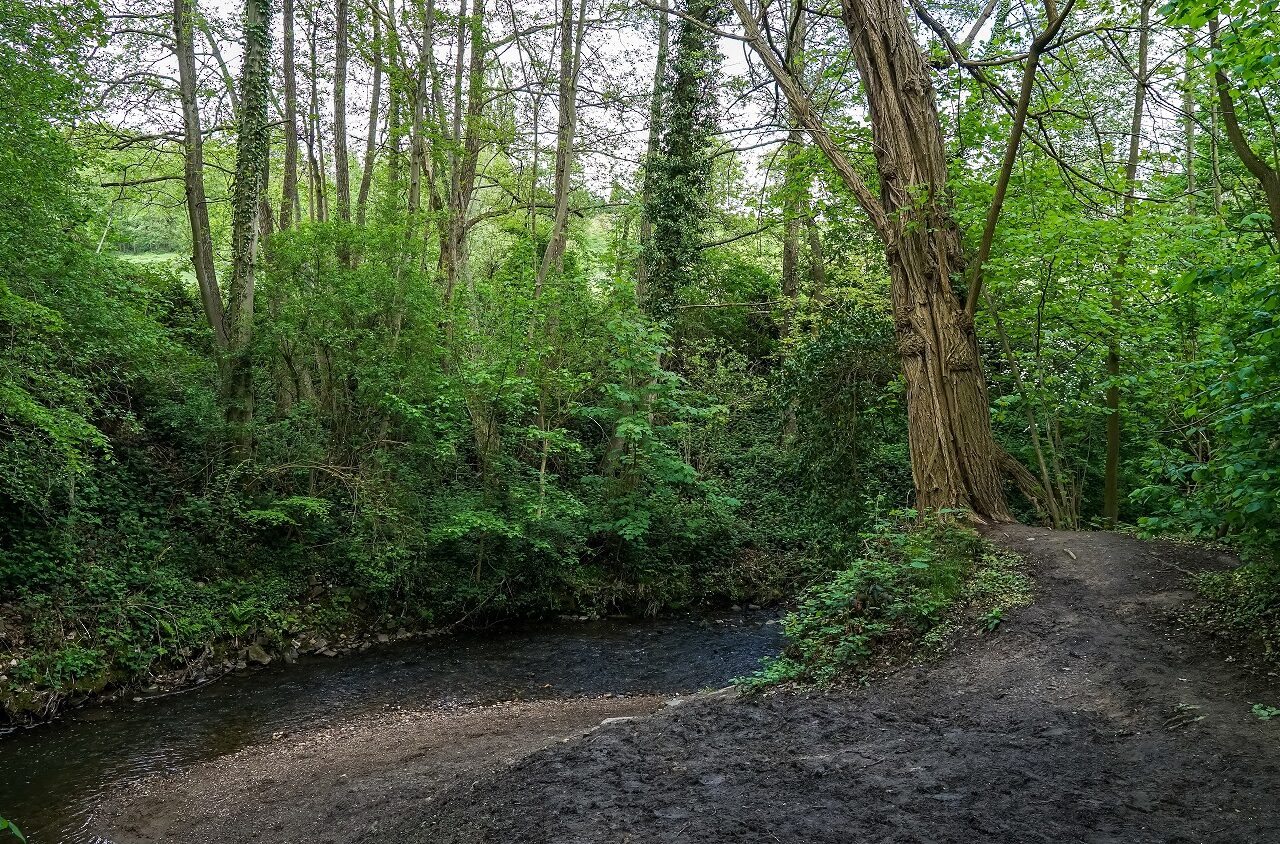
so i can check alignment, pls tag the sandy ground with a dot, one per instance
(1087, 717)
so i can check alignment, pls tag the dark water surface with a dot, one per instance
(52, 777)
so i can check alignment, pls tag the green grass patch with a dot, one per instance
(152, 258)
(909, 590)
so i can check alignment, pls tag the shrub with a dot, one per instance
(900, 596)
(1242, 605)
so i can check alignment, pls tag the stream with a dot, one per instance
(53, 776)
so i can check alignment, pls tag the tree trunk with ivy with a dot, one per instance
(230, 320)
(252, 149)
(954, 458)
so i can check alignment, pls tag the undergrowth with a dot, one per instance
(1242, 605)
(911, 587)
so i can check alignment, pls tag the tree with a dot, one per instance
(341, 162)
(231, 321)
(954, 458)
(1111, 481)
(676, 180)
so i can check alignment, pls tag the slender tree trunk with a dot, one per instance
(341, 162)
(1033, 424)
(794, 205)
(417, 143)
(792, 220)
(252, 150)
(1111, 476)
(290, 206)
(1189, 121)
(466, 143)
(1038, 46)
(288, 381)
(817, 259)
(371, 138)
(193, 176)
(315, 144)
(227, 81)
(1215, 165)
(570, 62)
(791, 226)
(645, 233)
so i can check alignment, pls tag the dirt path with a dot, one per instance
(372, 779)
(1086, 718)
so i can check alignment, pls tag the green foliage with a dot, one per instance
(12, 829)
(897, 597)
(427, 448)
(1242, 605)
(1236, 485)
(1247, 47)
(1264, 712)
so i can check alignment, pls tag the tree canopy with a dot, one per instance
(340, 310)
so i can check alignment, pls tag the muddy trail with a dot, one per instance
(1086, 717)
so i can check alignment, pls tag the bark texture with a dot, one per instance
(953, 455)
(954, 458)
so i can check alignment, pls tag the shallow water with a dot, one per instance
(52, 777)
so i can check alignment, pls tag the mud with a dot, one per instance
(1086, 717)
(370, 779)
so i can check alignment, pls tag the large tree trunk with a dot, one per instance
(953, 454)
(954, 458)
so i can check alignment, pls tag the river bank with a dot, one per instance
(1087, 716)
(53, 777)
(370, 778)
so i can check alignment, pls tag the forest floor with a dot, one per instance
(1087, 717)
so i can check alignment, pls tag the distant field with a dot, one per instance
(152, 257)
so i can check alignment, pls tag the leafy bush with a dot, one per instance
(897, 598)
